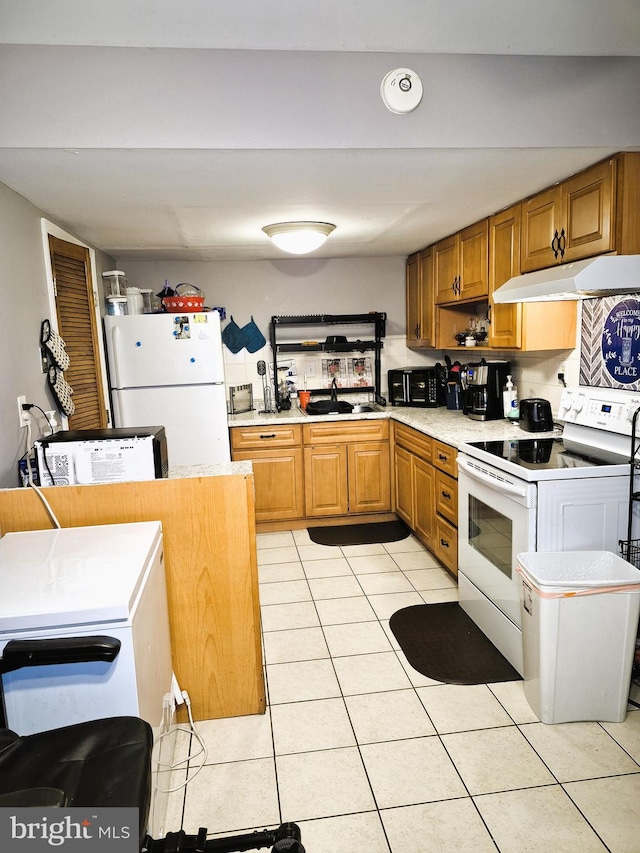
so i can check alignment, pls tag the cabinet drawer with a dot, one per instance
(446, 545)
(259, 437)
(416, 442)
(446, 496)
(444, 457)
(341, 432)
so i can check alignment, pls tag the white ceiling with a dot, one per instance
(186, 154)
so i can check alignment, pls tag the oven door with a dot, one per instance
(496, 521)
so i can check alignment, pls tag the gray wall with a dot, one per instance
(23, 304)
(300, 286)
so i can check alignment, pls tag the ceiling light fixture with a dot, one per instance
(298, 238)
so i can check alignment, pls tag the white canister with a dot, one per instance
(135, 301)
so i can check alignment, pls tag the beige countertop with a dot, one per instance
(452, 427)
(218, 469)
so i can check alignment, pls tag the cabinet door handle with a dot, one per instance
(443, 458)
(444, 543)
(272, 435)
(562, 243)
(446, 495)
(417, 331)
(453, 284)
(555, 244)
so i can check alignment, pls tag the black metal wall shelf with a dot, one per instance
(376, 318)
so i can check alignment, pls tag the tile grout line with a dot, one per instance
(512, 724)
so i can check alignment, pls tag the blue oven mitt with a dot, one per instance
(232, 336)
(251, 336)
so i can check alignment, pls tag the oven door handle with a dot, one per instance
(499, 485)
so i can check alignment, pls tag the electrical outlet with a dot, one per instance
(23, 416)
(310, 369)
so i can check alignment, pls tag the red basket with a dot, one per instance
(189, 303)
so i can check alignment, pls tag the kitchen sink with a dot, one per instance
(358, 409)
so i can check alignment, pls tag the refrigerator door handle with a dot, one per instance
(115, 337)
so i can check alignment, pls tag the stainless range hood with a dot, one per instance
(606, 275)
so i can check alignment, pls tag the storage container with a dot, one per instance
(117, 305)
(135, 301)
(147, 300)
(579, 623)
(114, 283)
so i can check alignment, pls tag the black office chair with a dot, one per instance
(99, 763)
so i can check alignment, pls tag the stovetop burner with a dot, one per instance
(536, 454)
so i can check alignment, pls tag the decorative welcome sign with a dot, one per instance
(610, 343)
(620, 342)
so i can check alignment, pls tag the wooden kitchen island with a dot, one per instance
(208, 523)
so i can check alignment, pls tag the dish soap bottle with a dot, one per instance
(510, 399)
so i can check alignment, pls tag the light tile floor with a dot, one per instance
(369, 756)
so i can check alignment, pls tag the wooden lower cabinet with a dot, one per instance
(414, 493)
(278, 482)
(328, 468)
(325, 481)
(348, 478)
(369, 477)
(276, 454)
(424, 516)
(427, 492)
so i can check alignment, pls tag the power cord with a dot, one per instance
(27, 408)
(191, 757)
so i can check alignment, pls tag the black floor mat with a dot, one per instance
(359, 534)
(442, 642)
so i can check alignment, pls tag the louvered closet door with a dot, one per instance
(77, 326)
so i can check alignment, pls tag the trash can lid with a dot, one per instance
(577, 569)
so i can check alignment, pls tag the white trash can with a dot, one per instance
(580, 614)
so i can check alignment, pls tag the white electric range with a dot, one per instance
(541, 494)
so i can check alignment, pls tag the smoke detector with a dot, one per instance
(401, 91)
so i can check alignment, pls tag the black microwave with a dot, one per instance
(413, 386)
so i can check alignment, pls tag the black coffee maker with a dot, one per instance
(482, 384)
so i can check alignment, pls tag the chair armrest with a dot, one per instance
(41, 798)
(20, 653)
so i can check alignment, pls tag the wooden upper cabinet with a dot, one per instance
(420, 307)
(445, 267)
(571, 221)
(523, 326)
(474, 261)
(461, 265)
(589, 212)
(504, 263)
(413, 300)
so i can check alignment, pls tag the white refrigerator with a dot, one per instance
(167, 370)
